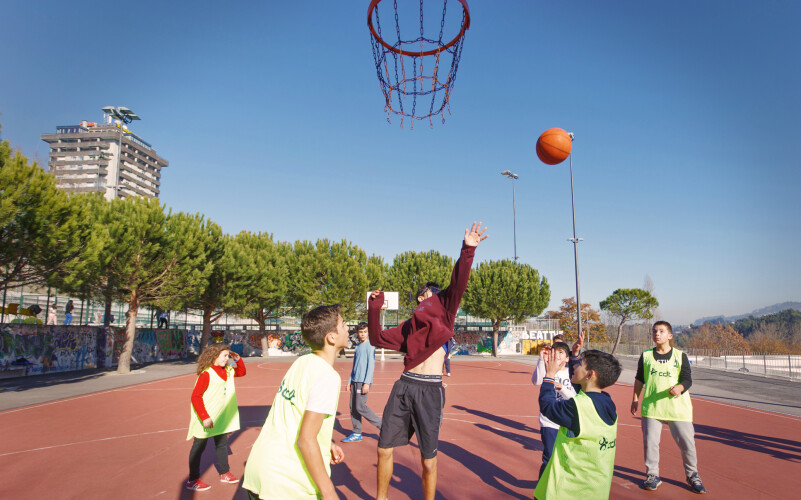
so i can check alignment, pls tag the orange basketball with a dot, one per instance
(554, 146)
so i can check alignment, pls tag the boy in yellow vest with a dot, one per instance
(293, 454)
(583, 457)
(664, 373)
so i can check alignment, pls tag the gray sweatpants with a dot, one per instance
(684, 435)
(359, 409)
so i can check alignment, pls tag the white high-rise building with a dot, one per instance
(106, 158)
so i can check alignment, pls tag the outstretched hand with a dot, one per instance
(576, 350)
(552, 365)
(475, 235)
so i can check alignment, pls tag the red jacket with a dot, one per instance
(431, 324)
(202, 383)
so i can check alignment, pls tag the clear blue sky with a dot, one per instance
(685, 113)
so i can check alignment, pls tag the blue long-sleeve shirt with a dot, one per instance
(565, 413)
(363, 364)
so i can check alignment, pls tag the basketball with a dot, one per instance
(554, 146)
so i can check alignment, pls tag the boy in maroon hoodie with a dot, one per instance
(417, 399)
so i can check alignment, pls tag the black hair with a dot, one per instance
(361, 326)
(429, 284)
(665, 324)
(562, 346)
(606, 367)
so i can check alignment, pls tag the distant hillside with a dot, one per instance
(776, 308)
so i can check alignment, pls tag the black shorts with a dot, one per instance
(414, 406)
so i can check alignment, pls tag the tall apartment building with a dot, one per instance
(106, 158)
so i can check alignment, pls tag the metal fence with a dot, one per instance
(763, 364)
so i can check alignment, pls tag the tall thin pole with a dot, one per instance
(575, 239)
(514, 217)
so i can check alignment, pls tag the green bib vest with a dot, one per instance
(275, 467)
(657, 403)
(581, 467)
(220, 402)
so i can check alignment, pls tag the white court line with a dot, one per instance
(90, 441)
(738, 407)
(109, 439)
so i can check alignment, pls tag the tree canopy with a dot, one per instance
(628, 304)
(411, 270)
(504, 290)
(42, 229)
(590, 321)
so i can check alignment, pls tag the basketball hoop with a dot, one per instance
(418, 66)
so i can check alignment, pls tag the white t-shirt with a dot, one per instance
(562, 378)
(324, 394)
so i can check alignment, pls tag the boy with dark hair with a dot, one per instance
(564, 391)
(291, 457)
(583, 458)
(361, 377)
(665, 374)
(417, 399)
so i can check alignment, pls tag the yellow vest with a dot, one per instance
(220, 402)
(275, 468)
(659, 377)
(581, 467)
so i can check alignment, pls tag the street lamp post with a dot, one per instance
(512, 176)
(124, 117)
(575, 240)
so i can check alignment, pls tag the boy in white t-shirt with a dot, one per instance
(293, 454)
(564, 390)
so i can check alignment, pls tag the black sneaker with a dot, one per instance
(652, 482)
(695, 483)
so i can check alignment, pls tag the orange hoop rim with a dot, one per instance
(450, 44)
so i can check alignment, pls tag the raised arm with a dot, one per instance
(391, 338)
(451, 297)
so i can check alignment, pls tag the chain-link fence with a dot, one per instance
(752, 363)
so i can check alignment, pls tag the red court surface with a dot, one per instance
(130, 442)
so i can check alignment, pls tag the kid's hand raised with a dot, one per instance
(552, 365)
(374, 294)
(576, 350)
(475, 235)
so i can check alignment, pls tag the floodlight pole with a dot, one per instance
(575, 240)
(512, 176)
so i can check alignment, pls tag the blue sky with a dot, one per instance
(271, 116)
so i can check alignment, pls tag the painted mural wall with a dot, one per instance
(36, 349)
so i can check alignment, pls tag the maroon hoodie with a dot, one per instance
(431, 324)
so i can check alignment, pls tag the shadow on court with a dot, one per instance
(781, 448)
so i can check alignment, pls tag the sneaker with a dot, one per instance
(695, 483)
(228, 478)
(652, 482)
(449, 374)
(196, 485)
(352, 438)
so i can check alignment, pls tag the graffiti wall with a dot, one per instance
(248, 342)
(36, 349)
(516, 341)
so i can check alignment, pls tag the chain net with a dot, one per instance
(417, 71)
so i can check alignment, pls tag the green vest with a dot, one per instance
(275, 468)
(220, 402)
(657, 403)
(581, 467)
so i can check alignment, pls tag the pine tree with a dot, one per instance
(504, 290)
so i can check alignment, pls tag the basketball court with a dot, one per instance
(130, 442)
